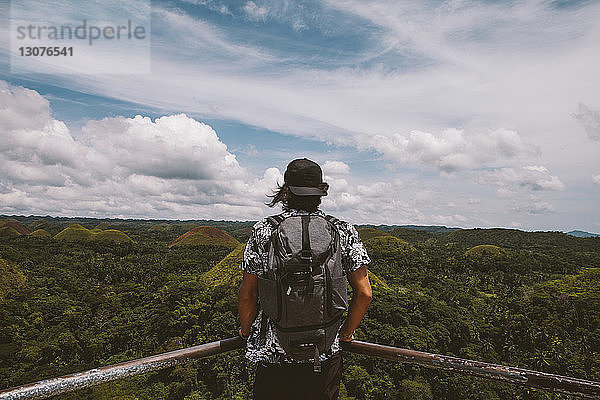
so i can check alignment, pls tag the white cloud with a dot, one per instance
(371, 202)
(194, 36)
(335, 168)
(336, 185)
(255, 12)
(211, 5)
(590, 119)
(266, 185)
(536, 178)
(377, 190)
(250, 150)
(174, 166)
(448, 220)
(454, 150)
(596, 179)
(456, 31)
(298, 25)
(35, 147)
(171, 147)
(504, 193)
(535, 207)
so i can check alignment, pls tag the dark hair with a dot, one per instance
(289, 200)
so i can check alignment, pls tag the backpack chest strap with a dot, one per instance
(306, 253)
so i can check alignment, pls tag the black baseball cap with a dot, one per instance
(305, 178)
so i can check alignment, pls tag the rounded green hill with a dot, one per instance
(227, 271)
(102, 225)
(162, 227)
(368, 233)
(8, 232)
(40, 233)
(376, 282)
(77, 232)
(386, 246)
(110, 235)
(15, 225)
(205, 235)
(486, 250)
(40, 224)
(242, 234)
(413, 235)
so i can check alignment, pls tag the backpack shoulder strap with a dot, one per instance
(332, 219)
(275, 220)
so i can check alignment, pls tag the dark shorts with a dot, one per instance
(298, 381)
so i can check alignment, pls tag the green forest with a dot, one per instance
(79, 293)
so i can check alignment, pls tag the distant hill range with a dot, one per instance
(440, 230)
(435, 229)
(430, 228)
(583, 234)
(232, 233)
(162, 229)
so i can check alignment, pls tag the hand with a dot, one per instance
(245, 337)
(345, 337)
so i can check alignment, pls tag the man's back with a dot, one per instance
(263, 344)
(282, 374)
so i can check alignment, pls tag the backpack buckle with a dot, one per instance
(317, 361)
(306, 257)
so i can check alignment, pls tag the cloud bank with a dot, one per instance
(457, 99)
(454, 150)
(177, 167)
(172, 167)
(535, 178)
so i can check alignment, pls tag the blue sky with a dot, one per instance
(459, 113)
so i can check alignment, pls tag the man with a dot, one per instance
(279, 375)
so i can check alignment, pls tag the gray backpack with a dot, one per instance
(303, 291)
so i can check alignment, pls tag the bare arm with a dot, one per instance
(361, 299)
(247, 302)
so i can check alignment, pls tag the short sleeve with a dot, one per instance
(354, 253)
(251, 262)
(255, 253)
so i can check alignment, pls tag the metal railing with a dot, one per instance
(518, 376)
(81, 380)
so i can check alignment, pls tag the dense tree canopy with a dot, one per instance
(504, 296)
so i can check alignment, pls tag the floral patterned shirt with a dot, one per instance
(354, 255)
